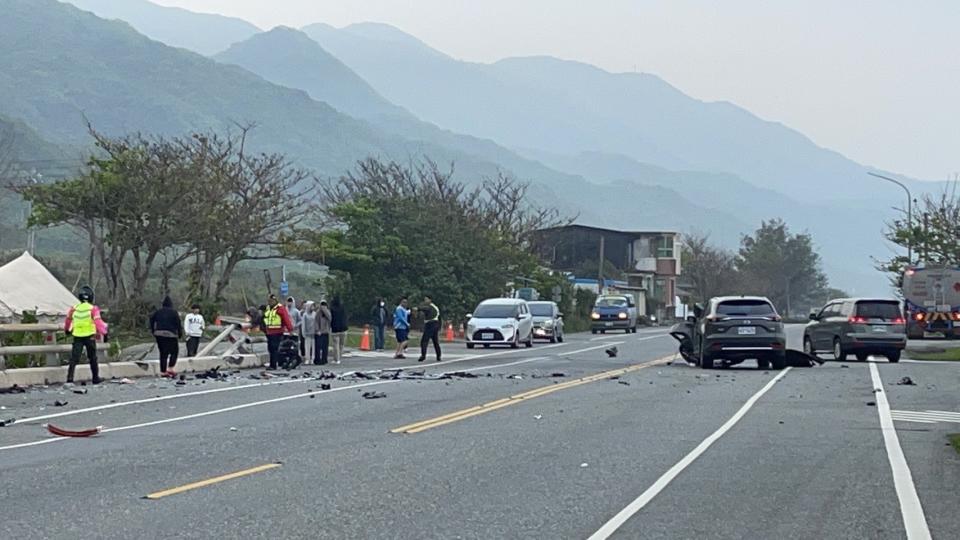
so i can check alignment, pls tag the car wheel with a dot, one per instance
(593, 330)
(808, 346)
(603, 331)
(893, 356)
(706, 361)
(862, 357)
(529, 342)
(763, 363)
(515, 344)
(486, 345)
(779, 361)
(469, 345)
(838, 353)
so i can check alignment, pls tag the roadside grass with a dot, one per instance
(955, 441)
(949, 355)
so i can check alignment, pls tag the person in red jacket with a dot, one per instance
(277, 322)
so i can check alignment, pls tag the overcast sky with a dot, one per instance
(877, 80)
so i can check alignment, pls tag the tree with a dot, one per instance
(389, 230)
(934, 234)
(781, 266)
(709, 270)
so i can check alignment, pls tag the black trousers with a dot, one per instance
(273, 347)
(169, 350)
(303, 349)
(431, 332)
(322, 349)
(193, 343)
(79, 344)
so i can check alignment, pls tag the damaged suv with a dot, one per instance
(731, 329)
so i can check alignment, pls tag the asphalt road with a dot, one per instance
(649, 448)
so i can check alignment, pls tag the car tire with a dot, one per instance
(893, 356)
(529, 342)
(469, 345)
(763, 363)
(779, 361)
(603, 331)
(515, 344)
(808, 346)
(839, 354)
(593, 330)
(486, 345)
(706, 361)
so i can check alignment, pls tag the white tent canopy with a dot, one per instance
(26, 285)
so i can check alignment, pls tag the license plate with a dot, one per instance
(486, 335)
(879, 329)
(747, 330)
(609, 324)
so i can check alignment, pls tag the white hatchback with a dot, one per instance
(500, 321)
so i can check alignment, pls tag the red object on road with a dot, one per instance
(60, 432)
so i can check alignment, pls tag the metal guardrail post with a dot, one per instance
(216, 341)
(53, 359)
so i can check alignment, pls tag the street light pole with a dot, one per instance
(909, 212)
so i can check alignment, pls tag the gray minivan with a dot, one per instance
(859, 326)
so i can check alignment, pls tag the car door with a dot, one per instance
(817, 330)
(526, 322)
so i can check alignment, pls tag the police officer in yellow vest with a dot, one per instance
(431, 328)
(85, 324)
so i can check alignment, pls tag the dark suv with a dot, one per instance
(731, 329)
(860, 326)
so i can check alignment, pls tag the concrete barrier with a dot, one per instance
(119, 370)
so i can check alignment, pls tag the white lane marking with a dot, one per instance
(927, 417)
(911, 510)
(245, 406)
(929, 362)
(618, 520)
(255, 385)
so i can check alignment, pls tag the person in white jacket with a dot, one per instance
(193, 325)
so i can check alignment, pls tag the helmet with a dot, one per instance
(85, 294)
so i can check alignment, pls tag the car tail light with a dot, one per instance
(857, 320)
(918, 316)
(899, 320)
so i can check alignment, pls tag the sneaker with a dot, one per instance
(421, 359)
(98, 380)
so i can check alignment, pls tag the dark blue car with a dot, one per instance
(614, 312)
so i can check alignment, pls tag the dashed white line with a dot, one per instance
(911, 510)
(618, 520)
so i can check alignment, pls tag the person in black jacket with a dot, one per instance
(338, 328)
(167, 327)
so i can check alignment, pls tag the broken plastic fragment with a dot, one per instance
(374, 395)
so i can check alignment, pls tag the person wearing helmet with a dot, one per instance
(84, 324)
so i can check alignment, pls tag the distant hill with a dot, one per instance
(203, 33)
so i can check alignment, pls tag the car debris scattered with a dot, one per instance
(15, 389)
(80, 391)
(612, 352)
(906, 381)
(59, 403)
(7, 422)
(625, 383)
(374, 395)
(871, 404)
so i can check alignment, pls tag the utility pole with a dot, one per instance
(926, 221)
(600, 269)
(909, 213)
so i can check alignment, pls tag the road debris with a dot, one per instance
(15, 389)
(7, 422)
(325, 386)
(59, 403)
(844, 366)
(612, 352)
(906, 381)
(60, 432)
(584, 465)
(80, 391)
(374, 395)
(123, 381)
(537, 416)
(233, 428)
(871, 404)
(625, 383)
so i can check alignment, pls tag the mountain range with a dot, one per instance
(618, 149)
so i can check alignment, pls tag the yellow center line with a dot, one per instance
(491, 406)
(211, 481)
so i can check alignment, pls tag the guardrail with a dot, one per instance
(50, 347)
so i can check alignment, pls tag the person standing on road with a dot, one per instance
(167, 328)
(308, 333)
(338, 328)
(379, 316)
(277, 322)
(84, 324)
(193, 325)
(323, 332)
(295, 315)
(431, 328)
(401, 326)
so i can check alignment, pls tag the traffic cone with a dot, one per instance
(449, 331)
(463, 331)
(365, 340)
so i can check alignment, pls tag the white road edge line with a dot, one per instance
(618, 520)
(911, 510)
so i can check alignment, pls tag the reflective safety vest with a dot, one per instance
(83, 323)
(436, 313)
(271, 318)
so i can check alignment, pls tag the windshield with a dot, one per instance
(612, 302)
(541, 310)
(495, 311)
(746, 308)
(879, 310)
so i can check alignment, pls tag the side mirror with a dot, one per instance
(692, 319)
(519, 317)
(469, 315)
(814, 317)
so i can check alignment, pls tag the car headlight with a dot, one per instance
(507, 327)
(594, 315)
(621, 315)
(548, 324)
